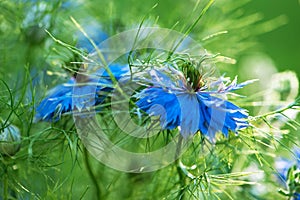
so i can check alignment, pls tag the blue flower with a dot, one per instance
(58, 101)
(178, 104)
(283, 166)
(78, 94)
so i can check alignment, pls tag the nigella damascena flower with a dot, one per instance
(190, 105)
(283, 166)
(78, 94)
(58, 101)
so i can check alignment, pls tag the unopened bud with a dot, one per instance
(10, 140)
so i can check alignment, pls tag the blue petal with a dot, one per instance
(282, 166)
(297, 196)
(220, 115)
(190, 114)
(157, 102)
(67, 97)
(58, 101)
(84, 96)
(118, 71)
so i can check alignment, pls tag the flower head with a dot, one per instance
(78, 94)
(283, 167)
(283, 164)
(58, 101)
(191, 104)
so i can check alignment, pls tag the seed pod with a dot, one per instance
(10, 140)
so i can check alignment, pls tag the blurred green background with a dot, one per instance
(282, 44)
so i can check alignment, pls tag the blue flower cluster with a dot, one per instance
(180, 100)
(167, 95)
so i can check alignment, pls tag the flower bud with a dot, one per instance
(10, 140)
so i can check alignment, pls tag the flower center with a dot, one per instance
(192, 74)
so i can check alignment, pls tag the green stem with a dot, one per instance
(91, 174)
(5, 185)
(179, 171)
(278, 111)
(189, 30)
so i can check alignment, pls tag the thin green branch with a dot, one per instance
(91, 174)
(278, 111)
(189, 30)
(182, 180)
